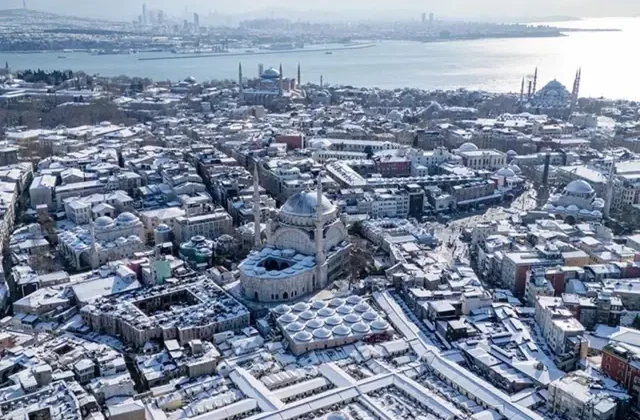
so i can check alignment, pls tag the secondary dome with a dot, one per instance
(579, 187)
(295, 326)
(303, 336)
(103, 221)
(352, 318)
(506, 172)
(301, 307)
(304, 204)
(341, 330)
(316, 323)
(288, 318)
(325, 312)
(322, 333)
(468, 147)
(126, 217)
(282, 309)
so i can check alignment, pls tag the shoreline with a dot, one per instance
(187, 56)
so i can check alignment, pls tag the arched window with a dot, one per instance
(285, 295)
(255, 295)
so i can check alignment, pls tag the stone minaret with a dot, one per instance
(535, 81)
(280, 87)
(240, 82)
(299, 78)
(609, 197)
(320, 257)
(257, 214)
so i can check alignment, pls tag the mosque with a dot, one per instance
(108, 240)
(554, 99)
(578, 202)
(270, 89)
(307, 247)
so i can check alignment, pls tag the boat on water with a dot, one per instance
(62, 56)
(328, 53)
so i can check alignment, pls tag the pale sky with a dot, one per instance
(351, 9)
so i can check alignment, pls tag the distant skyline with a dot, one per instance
(340, 10)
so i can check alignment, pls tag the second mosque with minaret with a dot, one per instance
(270, 88)
(307, 247)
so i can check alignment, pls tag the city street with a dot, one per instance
(450, 232)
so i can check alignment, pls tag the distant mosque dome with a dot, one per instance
(468, 147)
(579, 187)
(270, 73)
(512, 153)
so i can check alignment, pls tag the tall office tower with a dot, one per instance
(424, 18)
(145, 16)
(431, 19)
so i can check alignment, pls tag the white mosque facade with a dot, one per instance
(578, 202)
(307, 247)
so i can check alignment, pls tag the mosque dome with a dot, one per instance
(512, 153)
(468, 147)
(304, 204)
(103, 221)
(579, 187)
(515, 168)
(506, 172)
(126, 218)
(270, 73)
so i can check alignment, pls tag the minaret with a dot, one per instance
(321, 82)
(240, 82)
(95, 259)
(529, 90)
(320, 258)
(522, 90)
(257, 214)
(280, 82)
(299, 78)
(535, 81)
(576, 90)
(609, 198)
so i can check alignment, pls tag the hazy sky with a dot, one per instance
(468, 9)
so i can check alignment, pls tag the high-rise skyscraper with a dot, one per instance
(145, 16)
(431, 19)
(196, 21)
(424, 18)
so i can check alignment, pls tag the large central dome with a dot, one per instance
(304, 204)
